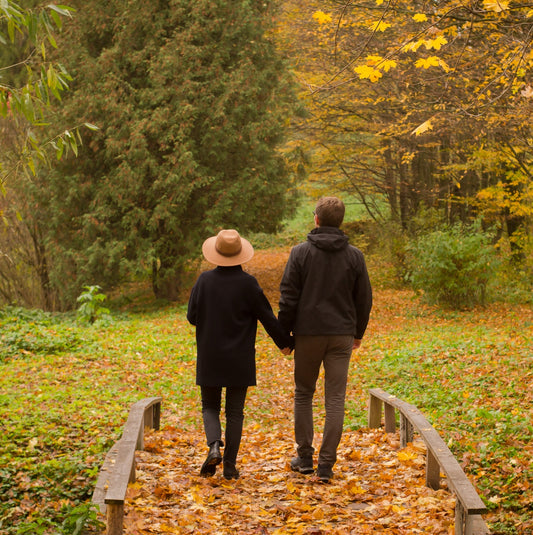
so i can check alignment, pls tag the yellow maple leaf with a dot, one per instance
(356, 489)
(424, 127)
(413, 46)
(380, 26)
(527, 92)
(379, 2)
(444, 65)
(426, 63)
(436, 43)
(406, 455)
(496, 5)
(321, 17)
(420, 17)
(365, 71)
(388, 64)
(373, 60)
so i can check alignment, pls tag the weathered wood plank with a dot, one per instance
(102, 483)
(118, 469)
(122, 472)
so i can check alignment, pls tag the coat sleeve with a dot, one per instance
(192, 307)
(269, 321)
(290, 290)
(362, 297)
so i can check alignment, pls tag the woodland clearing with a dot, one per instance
(66, 401)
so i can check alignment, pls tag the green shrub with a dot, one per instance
(454, 266)
(90, 305)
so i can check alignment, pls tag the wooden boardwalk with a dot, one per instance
(275, 490)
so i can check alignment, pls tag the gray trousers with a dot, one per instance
(310, 352)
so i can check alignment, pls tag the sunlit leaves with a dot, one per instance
(431, 61)
(420, 17)
(496, 5)
(424, 127)
(321, 17)
(366, 71)
(374, 67)
(380, 26)
(436, 43)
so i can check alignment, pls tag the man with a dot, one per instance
(326, 298)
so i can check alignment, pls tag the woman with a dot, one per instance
(225, 305)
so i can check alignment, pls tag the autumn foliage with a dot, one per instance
(416, 105)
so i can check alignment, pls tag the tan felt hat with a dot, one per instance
(227, 248)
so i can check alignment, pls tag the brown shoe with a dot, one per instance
(324, 473)
(302, 465)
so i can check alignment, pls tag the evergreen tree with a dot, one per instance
(192, 100)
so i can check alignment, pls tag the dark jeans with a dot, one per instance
(310, 353)
(211, 404)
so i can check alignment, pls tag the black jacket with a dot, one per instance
(224, 305)
(325, 289)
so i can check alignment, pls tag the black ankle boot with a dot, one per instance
(230, 471)
(213, 459)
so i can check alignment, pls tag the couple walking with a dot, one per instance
(324, 309)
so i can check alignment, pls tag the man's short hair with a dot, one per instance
(330, 212)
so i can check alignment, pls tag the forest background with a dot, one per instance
(131, 131)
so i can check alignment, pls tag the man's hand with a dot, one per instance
(356, 343)
(286, 350)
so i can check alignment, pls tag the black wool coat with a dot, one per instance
(225, 305)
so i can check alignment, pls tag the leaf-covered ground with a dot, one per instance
(377, 489)
(65, 392)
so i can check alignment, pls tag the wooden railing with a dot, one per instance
(469, 505)
(118, 469)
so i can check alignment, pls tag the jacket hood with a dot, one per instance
(328, 238)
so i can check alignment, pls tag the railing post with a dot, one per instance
(157, 416)
(432, 471)
(459, 518)
(406, 431)
(374, 412)
(140, 437)
(390, 418)
(149, 417)
(115, 518)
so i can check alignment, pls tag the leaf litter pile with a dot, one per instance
(377, 487)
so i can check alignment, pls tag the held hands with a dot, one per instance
(286, 350)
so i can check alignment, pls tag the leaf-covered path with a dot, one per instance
(377, 487)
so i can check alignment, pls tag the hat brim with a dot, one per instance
(214, 257)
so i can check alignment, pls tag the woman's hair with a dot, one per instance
(330, 212)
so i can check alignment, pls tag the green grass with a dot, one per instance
(296, 228)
